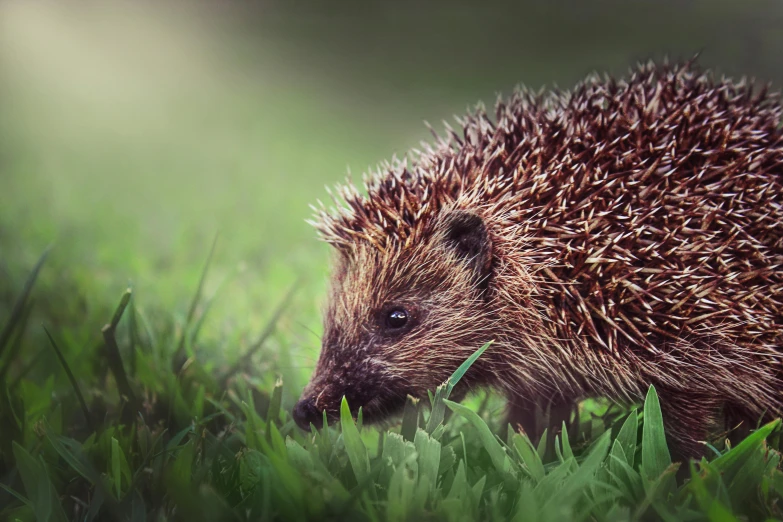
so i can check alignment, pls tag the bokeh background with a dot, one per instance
(131, 133)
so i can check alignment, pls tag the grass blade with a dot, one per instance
(72, 379)
(17, 495)
(491, 444)
(731, 460)
(29, 470)
(444, 390)
(16, 342)
(628, 435)
(656, 467)
(357, 451)
(410, 418)
(133, 331)
(463, 368)
(19, 305)
(113, 353)
(273, 412)
(566, 443)
(244, 360)
(124, 300)
(178, 359)
(115, 467)
(529, 457)
(38, 486)
(428, 451)
(655, 453)
(196, 329)
(73, 454)
(542, 444)
(438, 412)
(581, 478)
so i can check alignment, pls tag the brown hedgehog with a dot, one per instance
(622, 234)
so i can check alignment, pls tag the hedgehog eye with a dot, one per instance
(396, 318)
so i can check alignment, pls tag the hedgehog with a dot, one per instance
(621, 234)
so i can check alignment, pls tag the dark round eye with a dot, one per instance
(396, 318)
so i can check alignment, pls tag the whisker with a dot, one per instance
(305, 327)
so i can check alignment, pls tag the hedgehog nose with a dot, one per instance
(306, 412)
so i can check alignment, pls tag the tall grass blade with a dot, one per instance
(463, 368)
(488, 439)
(354, 447)
(529, 457)
(729, 462)
(655, 453)
(15, 345)
(444, 390)
(627, 437)
(410, 418)
(196, 329)
(38, 486)
(133, 333)
(19, 305)
(72, 453)
(438, 412)
(270, 327)
(178, 359)
(580, 479)
(21, 498)
(273, 412)
(72, 379)
(115, 467)
(113, 356)
(566, 443)
(124, 300)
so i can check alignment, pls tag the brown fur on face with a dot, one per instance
(616, 236)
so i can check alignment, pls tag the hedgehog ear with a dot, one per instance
(466, 235)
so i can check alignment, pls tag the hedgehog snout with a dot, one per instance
(328, 397)
(362, 382)
(306, 412)
(319, 396)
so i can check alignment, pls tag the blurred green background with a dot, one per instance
(131, 133)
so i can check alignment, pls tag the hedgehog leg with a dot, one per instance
(521, 414)
(688, 420)
(528, 415)
(739, 421)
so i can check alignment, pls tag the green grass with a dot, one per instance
(155, 440)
